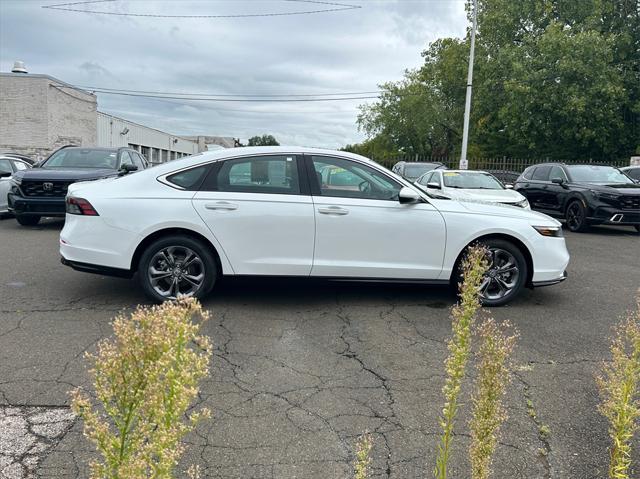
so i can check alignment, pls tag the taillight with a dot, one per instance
(80, 206)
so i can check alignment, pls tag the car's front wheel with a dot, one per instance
(28, 220)
(176, 266)
(506, 275)
(576, 217)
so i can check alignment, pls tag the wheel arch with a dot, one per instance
(512, 239)
(135, 260)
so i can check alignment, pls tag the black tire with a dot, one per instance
(515, 280)
(181, 244)
(576, 217)
(28, 220)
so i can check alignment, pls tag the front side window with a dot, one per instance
(5, 167)
(425, 179)
(349, 179)
(557, 174)
(276, 174)
(125, 159)
(542, 173)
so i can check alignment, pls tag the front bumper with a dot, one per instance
(23, 206)
(549, 282)
(614, 216)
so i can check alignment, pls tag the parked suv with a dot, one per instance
(583, 195)
(41, 191)
(413, 170)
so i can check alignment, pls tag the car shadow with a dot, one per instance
(605, 230)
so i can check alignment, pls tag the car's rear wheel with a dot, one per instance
(28, 220)
(506, 275)
(576, 217)
(176, 266)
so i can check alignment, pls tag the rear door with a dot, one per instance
(539, 183)
(261, 213)
(363, 231)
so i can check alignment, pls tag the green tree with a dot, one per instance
(264, 140)
(553, 78)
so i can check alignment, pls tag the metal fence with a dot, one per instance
(506, 169)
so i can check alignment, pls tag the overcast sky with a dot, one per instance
(330, 52)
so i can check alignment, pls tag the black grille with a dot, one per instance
(50, 189)
(630, 202)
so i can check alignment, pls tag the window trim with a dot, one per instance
(315, 187)
(303, 187)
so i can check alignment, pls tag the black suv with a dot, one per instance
(41, 191)
(583, 195)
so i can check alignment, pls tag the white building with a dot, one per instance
(39, 114)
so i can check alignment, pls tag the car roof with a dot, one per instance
(208, 156)
(95, 148)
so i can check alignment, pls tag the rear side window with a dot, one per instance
(542, 173)
(5, 167)
(189, 179)
(277, 174)
(527, 173)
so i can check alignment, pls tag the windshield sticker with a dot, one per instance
(449, 173)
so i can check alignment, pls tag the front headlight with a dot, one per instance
(15, 181)
(523, 204)
(603, 196)
(551, 231)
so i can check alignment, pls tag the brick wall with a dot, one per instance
(38, 115)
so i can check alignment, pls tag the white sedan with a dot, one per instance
(9, 164)
(466, 185)
(296, 212)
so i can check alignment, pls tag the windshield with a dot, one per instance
(79, 158)
(415, 170)
(597, 174)
(471, 180)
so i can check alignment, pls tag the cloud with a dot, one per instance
(346, 51)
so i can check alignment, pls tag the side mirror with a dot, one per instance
(5, 174)
(408, 196)
(127, 168)
(557, 181)
(434, 185)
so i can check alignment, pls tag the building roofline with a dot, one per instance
(48, 77)
(145, 126)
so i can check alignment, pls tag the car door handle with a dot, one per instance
(333, 210)
(221, 205)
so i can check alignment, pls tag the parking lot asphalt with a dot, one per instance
(301, 368)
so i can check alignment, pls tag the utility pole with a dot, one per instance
(464, 163)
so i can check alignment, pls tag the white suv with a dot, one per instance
(296, 212)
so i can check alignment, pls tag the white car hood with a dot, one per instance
(490, 196)
(497, 209)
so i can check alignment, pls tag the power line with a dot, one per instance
(222, 95)
(333, 7)
(223, 99)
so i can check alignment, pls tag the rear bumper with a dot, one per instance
(23, 206)
(97, 269)
(549, 282)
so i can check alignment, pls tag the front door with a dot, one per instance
(260, 213)
(363, 231)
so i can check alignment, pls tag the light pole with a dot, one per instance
(464, 163)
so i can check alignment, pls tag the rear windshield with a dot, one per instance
(471, 180)
(417, 169)
(79, 158)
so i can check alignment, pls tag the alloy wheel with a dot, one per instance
(502, 276)
(176, 271)
(574, 216)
